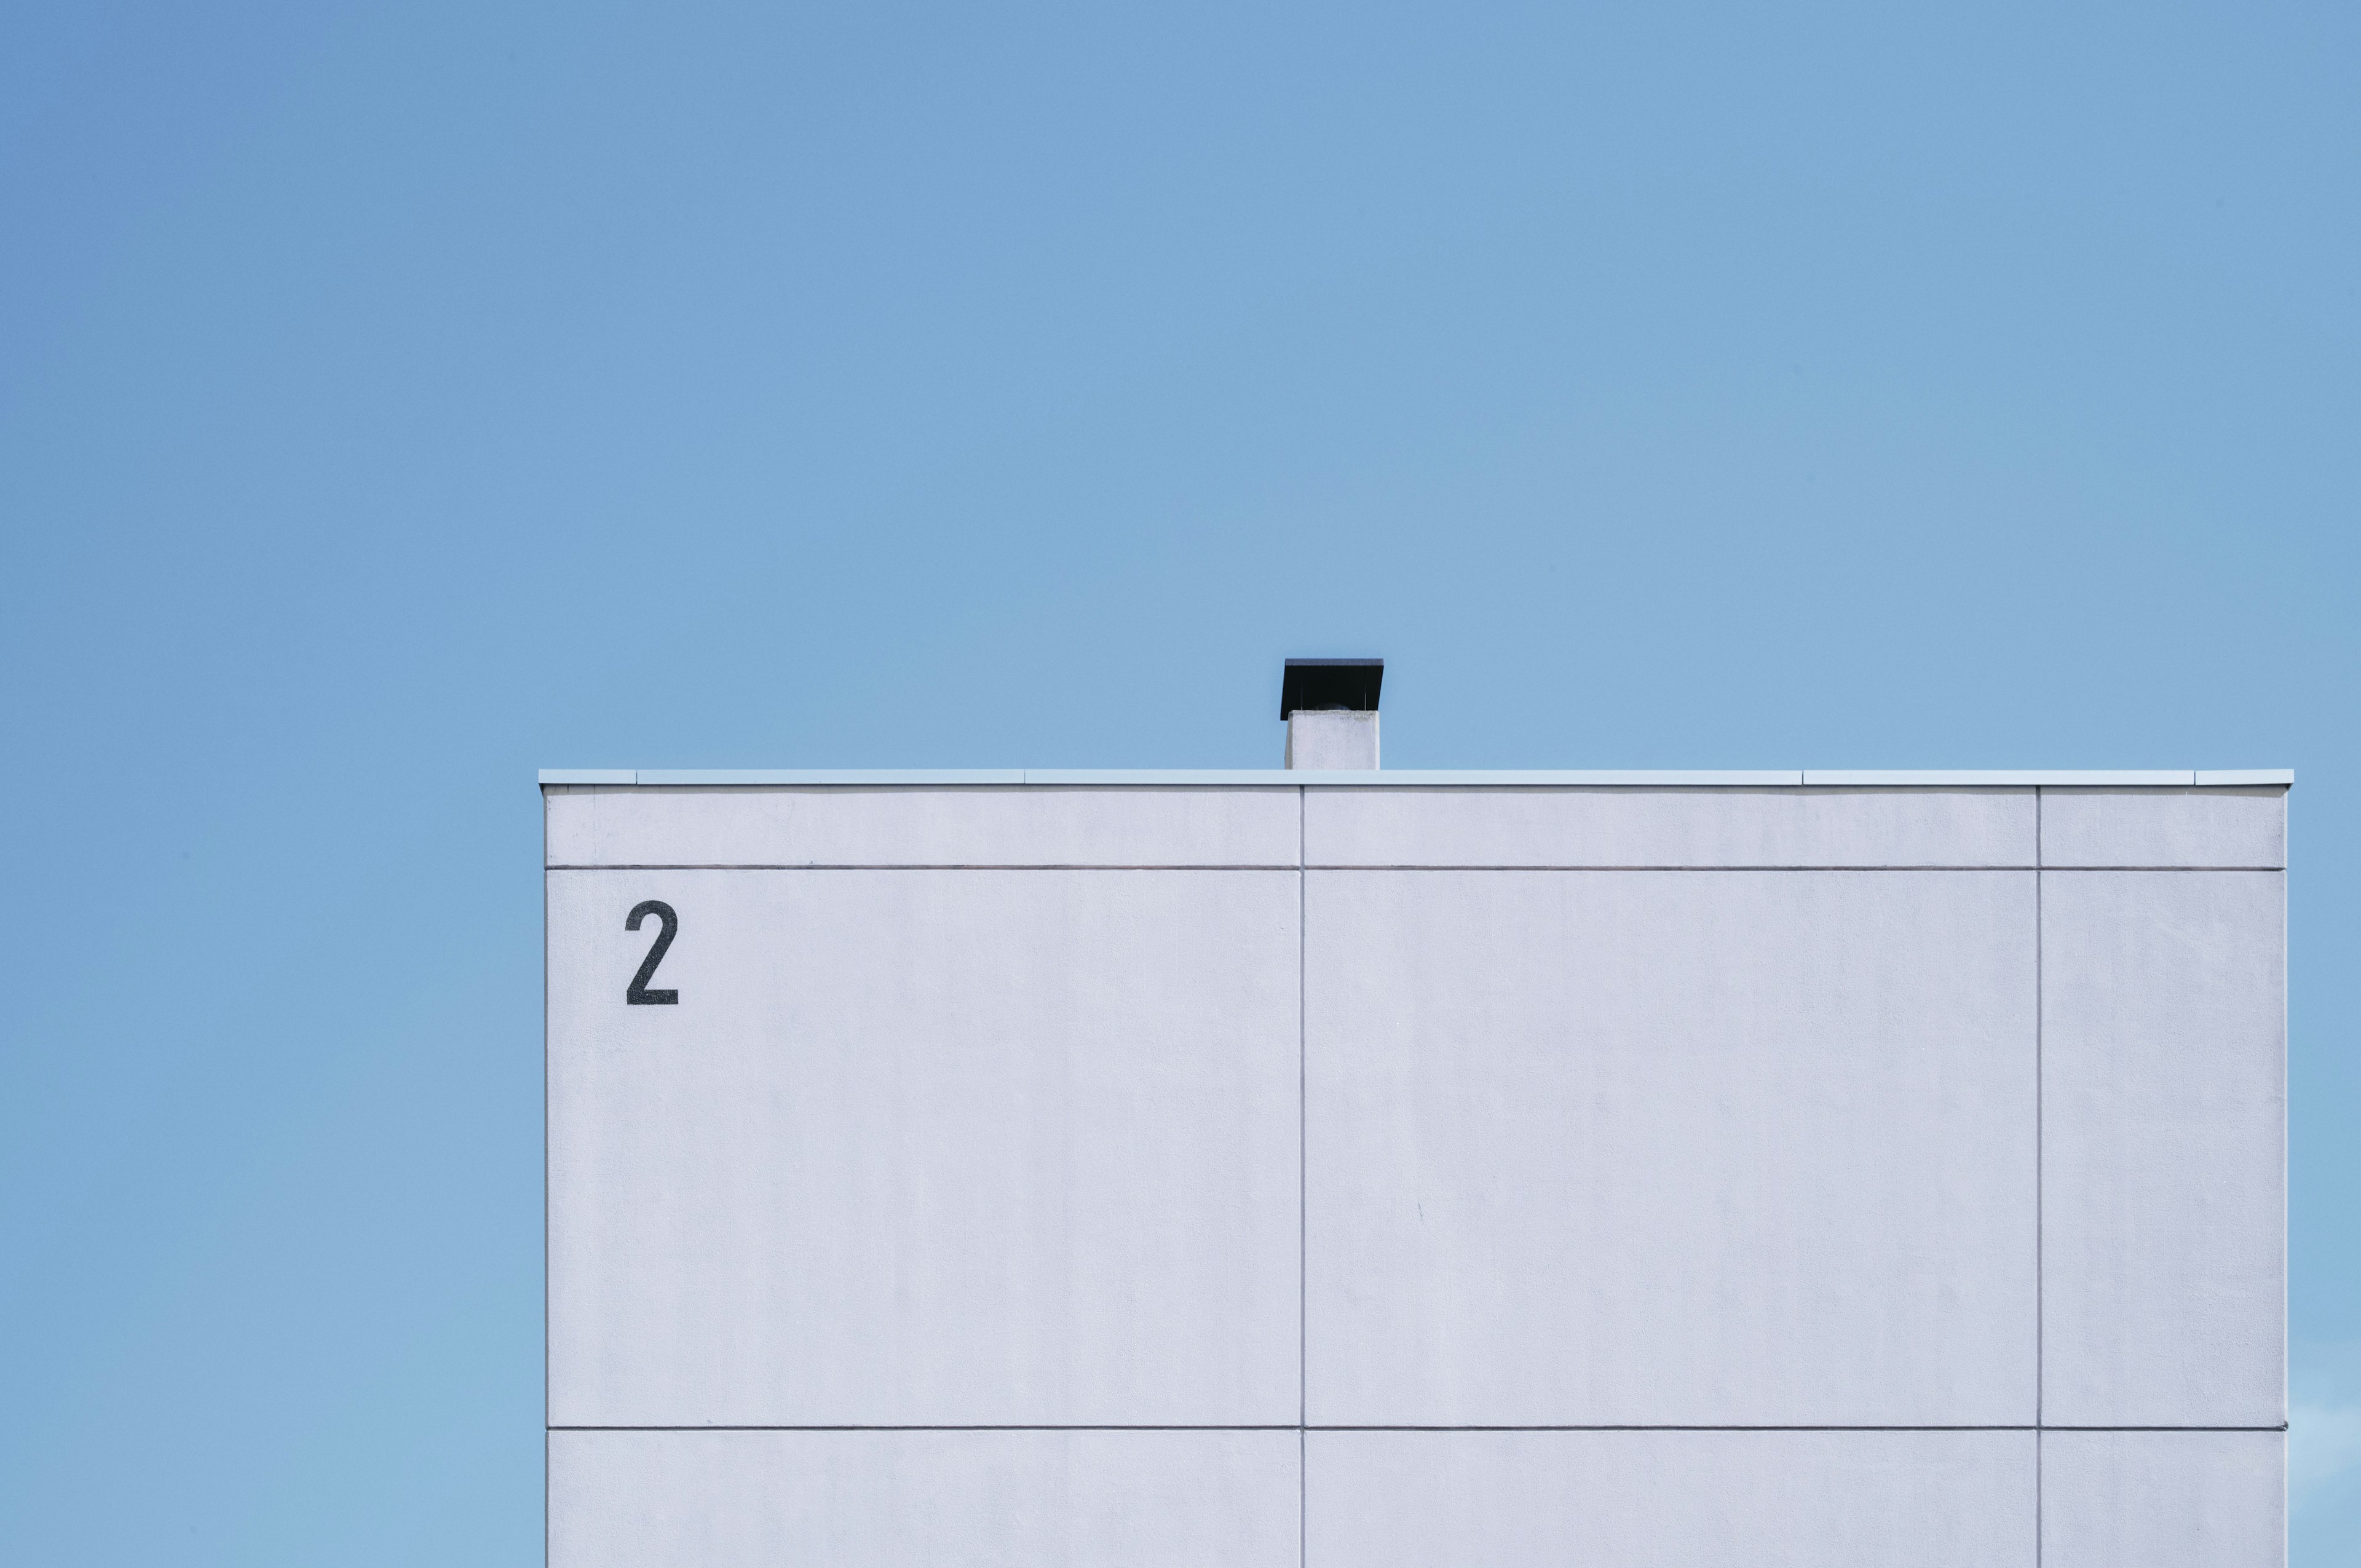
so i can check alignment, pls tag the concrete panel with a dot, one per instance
(1669, 1500)
(2163, 1499)
(925, 1147)
(1668, 827)
(918, 1499)
(887, 826)
(1671, 1147)
(2164, 1160)
(2213, 827)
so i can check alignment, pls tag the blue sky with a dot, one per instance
(395, 399)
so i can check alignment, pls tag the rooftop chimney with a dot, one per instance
(1331, 708)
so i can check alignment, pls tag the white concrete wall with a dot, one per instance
(886, 826)
(1645, 1499)
(1690, 1147)
(1010, 1499)
(1410, 1176)
(921, 1147)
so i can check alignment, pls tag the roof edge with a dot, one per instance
(1400, 778)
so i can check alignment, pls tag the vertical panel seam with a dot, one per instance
(1302, 1203)
(2040, 1185)
(547, 1411)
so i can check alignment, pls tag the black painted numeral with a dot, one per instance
(638, 994)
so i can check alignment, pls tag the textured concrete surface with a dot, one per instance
(1689, 1148)
(904, 1499)
(978, 825)
(1332, 740)
(2163, 1499)
(1668, 827)
(1670, 1499)
(925, 1146)
(2218, 828)
(2164, 1057)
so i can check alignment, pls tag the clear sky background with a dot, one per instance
(396, 399)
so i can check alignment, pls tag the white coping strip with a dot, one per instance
(2245, 776)
(2165, 778)
(1418, 778)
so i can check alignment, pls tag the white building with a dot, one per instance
(1387, 1168)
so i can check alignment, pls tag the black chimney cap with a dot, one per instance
(1315, 683)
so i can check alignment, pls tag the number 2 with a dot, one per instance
(637, 994)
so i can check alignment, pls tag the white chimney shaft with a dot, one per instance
(1332, 738)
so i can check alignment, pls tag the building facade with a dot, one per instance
(1390, 1169)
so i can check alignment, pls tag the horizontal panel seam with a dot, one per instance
(1289, 867)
